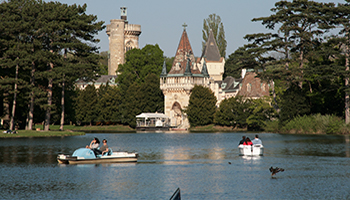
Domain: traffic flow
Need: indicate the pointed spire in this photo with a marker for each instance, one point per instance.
(204, 69)
(164, 73)
(188, 67)
(183, 51)
(211, 50)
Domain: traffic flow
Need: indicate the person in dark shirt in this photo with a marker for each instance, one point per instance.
(242, 141)
(104, 147)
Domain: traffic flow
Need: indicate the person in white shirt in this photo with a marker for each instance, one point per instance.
(256, 140)
(95, 143)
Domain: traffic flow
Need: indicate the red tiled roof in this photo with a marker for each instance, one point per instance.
(183, 50)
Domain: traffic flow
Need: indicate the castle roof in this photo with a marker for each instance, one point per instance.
(211, 51)
(184, 52)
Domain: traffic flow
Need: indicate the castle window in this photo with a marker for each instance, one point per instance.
(249, 87)
(128, 46)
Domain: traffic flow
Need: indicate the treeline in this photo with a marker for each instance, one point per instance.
(236, 112)
(305, 52)
(44, 48)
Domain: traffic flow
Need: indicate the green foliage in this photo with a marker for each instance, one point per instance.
(53, 45)
(152, 98)
(234, 112)
(86, 105)
(261, 112)
(321, 124)
(201, 107)
(141, 62)
(214, 23)
(109, 99)
(294, 103)
(139, 83)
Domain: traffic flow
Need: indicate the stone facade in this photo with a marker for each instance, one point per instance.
(122, 37)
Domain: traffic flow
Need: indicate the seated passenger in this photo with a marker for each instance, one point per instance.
(104, 148)
(256, 140)
(242, 141)
(94, 144)
(248, 142)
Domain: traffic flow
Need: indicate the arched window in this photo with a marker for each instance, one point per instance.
(249, 87)
(128, 46)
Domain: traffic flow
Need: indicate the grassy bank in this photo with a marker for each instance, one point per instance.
(214, 128)
(69, 130)
(28, 133)
(112, 128)
(312, 124)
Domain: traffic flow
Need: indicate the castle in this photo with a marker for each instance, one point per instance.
(208, 70)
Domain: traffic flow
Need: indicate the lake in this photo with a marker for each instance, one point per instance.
(202, 165)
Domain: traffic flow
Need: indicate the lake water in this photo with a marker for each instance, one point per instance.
(316, 167)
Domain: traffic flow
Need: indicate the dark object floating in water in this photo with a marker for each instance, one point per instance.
(275, 170)
(176, 195)
(229, 163)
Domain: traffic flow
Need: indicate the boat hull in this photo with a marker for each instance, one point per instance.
(248, 150)
(116, 157)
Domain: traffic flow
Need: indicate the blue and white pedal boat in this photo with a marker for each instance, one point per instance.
(87, 156)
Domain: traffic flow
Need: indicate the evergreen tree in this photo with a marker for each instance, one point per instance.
(108, 104)
(86, 105)
(201, 107)
(152, 98)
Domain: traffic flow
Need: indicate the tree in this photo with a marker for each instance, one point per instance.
(152, 98)
(109, 99)
(201, 107)
(214, 23)
(86, 105)
(139, 83)
(234, 112)
(141, 62)
(301, 22)
(261, 112)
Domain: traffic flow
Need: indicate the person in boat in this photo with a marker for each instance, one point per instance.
(248, 142)
(94, 144)
(242, 141)
(104, 148)
(257, 140)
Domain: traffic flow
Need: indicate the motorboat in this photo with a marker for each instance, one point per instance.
(251, 150)
(87, 156)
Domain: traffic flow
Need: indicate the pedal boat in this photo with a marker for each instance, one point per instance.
(251, 150)
(87, 156)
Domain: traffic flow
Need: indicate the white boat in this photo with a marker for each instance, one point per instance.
(251, 150)
(87, 156)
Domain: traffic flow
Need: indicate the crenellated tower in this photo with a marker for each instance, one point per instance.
(122, 38)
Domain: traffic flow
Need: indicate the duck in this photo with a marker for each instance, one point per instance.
(275, 170)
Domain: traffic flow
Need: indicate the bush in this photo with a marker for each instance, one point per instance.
(319, 124)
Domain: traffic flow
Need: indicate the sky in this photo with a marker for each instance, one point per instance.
(161, 20)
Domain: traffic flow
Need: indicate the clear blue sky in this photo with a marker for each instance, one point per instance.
(161, 20)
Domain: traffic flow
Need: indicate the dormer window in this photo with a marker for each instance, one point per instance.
(223, 85)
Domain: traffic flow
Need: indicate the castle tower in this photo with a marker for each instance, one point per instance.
(122, 38)
(178, 83)
(215, 64)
